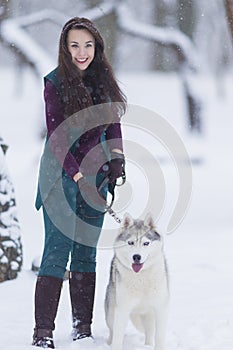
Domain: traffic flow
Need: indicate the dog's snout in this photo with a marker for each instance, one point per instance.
(137, 258)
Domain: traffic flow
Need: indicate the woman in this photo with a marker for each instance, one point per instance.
(84, 146)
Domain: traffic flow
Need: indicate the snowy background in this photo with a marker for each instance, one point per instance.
(199, 252)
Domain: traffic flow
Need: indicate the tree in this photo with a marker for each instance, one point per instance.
(4, 9)
(107, 23)
(11, 256)
(179, 44)
(229, 13)
(5, 13)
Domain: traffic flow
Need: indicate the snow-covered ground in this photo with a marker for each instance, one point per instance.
(199, 252)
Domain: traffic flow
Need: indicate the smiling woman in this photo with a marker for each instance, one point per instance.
(81, 45)
(83, 79)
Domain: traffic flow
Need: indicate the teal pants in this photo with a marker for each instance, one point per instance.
(78, 247)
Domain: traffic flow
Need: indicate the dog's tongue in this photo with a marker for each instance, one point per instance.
(137, 267)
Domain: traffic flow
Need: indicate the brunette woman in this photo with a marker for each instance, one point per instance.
(84, 146)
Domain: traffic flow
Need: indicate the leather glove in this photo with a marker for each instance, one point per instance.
(90, 194)
(116, 165)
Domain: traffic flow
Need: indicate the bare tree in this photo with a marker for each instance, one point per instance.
(185, 51)
(107, 23)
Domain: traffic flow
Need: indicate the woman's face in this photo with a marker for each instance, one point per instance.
(81, 45)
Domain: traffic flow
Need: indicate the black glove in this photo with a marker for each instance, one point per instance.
(90, 194)
(116, 166)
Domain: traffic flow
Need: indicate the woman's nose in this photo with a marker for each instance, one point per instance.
(82, 51)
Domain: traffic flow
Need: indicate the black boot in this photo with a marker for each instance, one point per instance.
(47, 295)
(82, 293)
(43, 338)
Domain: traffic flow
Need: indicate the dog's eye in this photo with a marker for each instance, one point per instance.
(146, 243)
(130, 242)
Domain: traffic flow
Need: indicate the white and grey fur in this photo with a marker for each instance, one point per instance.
(139, 293)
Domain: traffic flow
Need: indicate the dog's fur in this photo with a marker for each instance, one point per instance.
(138, 284)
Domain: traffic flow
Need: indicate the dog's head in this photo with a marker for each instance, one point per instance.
(138, 243)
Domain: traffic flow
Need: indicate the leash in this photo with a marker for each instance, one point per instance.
(111, 188)
(113, 214)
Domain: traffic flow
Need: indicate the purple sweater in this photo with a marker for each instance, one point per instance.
(72, 162)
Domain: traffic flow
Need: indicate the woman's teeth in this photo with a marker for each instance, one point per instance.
(82, 60)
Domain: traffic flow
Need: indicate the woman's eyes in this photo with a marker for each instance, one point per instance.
(75, 46)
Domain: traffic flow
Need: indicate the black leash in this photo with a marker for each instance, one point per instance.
(113, 214)
(111, 188)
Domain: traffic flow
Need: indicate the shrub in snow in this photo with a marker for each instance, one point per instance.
(10, 243)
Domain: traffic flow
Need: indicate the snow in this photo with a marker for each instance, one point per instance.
(9, 227)
(4, 260)
(8, 244)
(199, 252)
(14, 266)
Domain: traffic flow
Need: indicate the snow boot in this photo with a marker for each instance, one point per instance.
(47, 295)
(82, 293)
(43, 338)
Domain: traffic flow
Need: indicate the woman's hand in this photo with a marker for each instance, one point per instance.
(116, 165)
(77, 176)
(90, 194)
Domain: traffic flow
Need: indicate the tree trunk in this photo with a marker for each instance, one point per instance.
(4, 9)
(187, 17)
(107, 26)
(229, 13)
(165, 16)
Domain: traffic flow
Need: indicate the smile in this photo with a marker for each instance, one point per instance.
(82, 60)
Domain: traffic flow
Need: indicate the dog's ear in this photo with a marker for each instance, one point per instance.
(149, 221)
(127, 220)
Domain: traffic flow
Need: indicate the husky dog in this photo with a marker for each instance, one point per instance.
(138, 284)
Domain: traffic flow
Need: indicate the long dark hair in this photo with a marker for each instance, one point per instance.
(97, 85)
